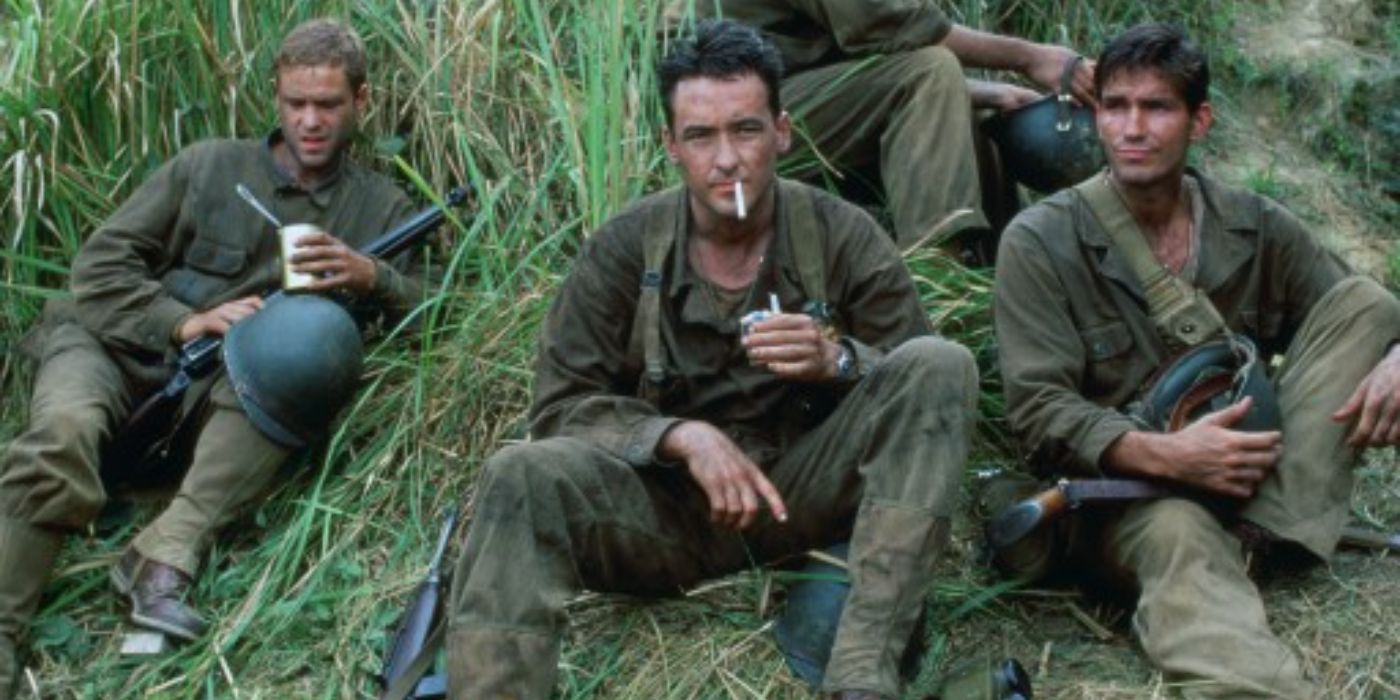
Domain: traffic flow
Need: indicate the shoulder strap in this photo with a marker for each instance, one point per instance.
(644, 342)
(1182, 313)
(805, 232)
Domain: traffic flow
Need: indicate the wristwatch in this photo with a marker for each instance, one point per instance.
(845, 364)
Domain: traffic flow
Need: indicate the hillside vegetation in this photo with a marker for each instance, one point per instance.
(548, 108)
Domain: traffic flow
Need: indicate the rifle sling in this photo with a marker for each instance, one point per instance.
(1184, 315)
(401, 687)
(1079, 491)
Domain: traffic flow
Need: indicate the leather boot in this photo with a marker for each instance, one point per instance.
(157, 594)
(27, 555)
(893, 552)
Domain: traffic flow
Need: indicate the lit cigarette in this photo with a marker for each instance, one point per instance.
(739, 200)
(773, 304)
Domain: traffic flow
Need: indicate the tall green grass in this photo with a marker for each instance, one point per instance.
(548, 108)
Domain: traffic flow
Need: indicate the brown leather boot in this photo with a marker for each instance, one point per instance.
(157, 592)
(27, 554)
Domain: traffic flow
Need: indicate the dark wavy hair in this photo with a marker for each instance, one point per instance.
(720, 49)
(1159, 47)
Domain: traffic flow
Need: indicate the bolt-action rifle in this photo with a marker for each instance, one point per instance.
(146, 436)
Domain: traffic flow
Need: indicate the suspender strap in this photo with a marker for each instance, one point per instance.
(1183, 314)
(805, 233)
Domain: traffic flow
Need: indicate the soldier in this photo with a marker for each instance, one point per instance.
(1077, 343)
(880, 83)
(675, 441)
(183, 258)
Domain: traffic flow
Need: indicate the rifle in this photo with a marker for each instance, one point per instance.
(1020, 519)
(148, 434)
(414, 643)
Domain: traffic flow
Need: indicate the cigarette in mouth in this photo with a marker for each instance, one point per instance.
(773, 304)
(739, 200)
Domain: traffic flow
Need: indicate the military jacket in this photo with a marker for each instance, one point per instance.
(185, 242)
(812, 33)
(1074, 335)
(587, 382)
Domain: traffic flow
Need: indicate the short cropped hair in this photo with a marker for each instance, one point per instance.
(720, 49)
(1159, 47)
(324, 42)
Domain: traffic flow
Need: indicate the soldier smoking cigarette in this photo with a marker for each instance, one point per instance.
(739, 199)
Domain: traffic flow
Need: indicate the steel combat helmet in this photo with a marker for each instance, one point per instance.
(294, 365)
(1051, 143)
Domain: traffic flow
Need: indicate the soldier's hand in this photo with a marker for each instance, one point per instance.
(218, 320)
(793, 347)
(1375, 405)
(1049, 66)
(1003, 97)
(334, 264)
(1212, 456)
(731, 481)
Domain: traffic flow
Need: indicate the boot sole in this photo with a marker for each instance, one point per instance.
(163, 627)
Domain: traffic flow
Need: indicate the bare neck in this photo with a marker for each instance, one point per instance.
(1163, 214)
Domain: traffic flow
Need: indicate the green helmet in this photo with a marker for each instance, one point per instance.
(1048, 144)
(294, 365)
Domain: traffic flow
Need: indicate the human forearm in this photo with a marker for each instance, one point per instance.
(976, 49)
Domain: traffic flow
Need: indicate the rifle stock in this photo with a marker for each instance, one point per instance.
(1014, 523)
(415, 627)
(146, 433)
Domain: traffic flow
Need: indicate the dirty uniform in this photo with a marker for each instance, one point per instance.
(587, 504)
(182, 243)
(1077, 343)
(869, 85)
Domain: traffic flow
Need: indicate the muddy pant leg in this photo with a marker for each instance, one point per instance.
(1199, 617)
(553, 517)
(1308, 498)
(233, 465)
(49, 479)
(890, 458)
(912, 109)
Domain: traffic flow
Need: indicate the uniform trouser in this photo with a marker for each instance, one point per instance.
(49, 473)
(911, 111)
(558, 515)
(1199, 616)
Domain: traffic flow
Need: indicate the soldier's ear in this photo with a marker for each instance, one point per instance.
(783, 125)
(1201, 121)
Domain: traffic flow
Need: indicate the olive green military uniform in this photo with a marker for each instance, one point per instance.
(587, 504)
(183, 242)
(869, 85)
(1077, 343)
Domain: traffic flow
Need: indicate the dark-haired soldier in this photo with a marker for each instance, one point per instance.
(675, 442)
(182, 258)
(880, 83)
(1078, 342)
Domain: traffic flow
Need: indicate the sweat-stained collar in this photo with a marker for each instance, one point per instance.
(1228, 235)
(320, 195)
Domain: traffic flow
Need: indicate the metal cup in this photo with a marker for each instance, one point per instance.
(289, 235)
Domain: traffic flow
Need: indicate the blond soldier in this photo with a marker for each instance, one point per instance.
(182, 258)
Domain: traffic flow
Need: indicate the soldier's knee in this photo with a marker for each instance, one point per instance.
(935, 65)
(526, 470)
(1361, 295)
(933, 360)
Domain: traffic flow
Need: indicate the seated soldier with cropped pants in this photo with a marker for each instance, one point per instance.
(1079, 341)
(678, 438)
(184, 257)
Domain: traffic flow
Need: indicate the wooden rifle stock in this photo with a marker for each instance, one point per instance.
(1014, 523)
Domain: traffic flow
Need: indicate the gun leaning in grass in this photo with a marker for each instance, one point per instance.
(1020, 519)
(414, 644)
(146, 435)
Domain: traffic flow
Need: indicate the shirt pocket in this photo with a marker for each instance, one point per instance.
(209, 270)
(1106, 348)
(214, 258)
